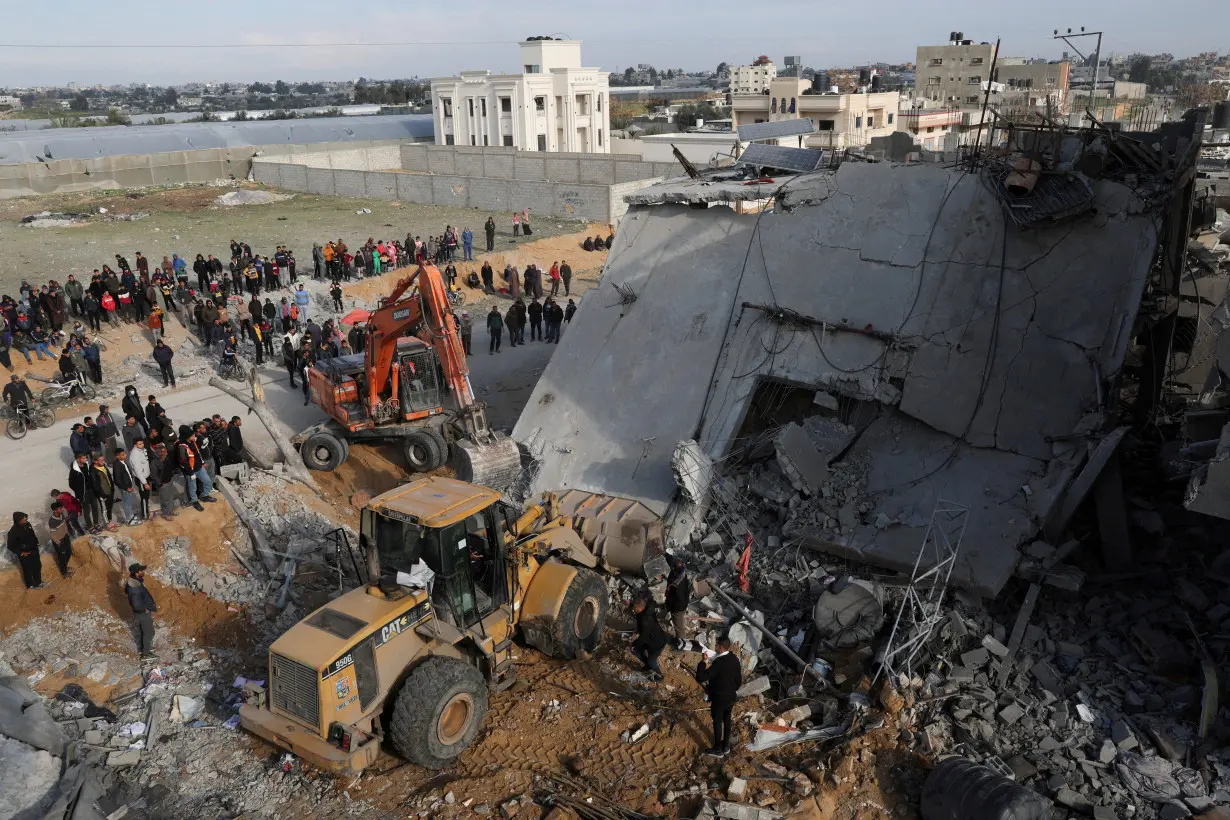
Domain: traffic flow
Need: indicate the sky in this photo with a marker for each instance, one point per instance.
(442, 38)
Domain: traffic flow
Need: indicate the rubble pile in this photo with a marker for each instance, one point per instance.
(192, 367)
(183, 570)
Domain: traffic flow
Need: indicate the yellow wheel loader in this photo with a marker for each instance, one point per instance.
(453, 573)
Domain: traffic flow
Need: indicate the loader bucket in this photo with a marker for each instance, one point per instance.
(496, 465)
(622, 533)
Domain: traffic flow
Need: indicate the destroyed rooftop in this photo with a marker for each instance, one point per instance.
(962, 336)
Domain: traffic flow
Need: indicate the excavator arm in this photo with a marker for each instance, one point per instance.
(426, 312)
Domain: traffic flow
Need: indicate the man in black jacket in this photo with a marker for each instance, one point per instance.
(722, 676)
(163, 355)
(81, 485)
(17, 392)
(23, 543)
(678, 596)
(143, 607)
(650, 639)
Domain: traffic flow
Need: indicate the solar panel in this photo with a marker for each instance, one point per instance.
(800, 160)
(771, 130)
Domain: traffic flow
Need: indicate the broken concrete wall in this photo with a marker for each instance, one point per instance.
(989, 349)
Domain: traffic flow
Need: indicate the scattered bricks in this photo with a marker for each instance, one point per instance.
(85, 724)
(1021, 768)
(94, 737)
(1070, 649)
(798, 713)
(1122, 735)
(1048, 744)
(736, 789)
(130, 757)
(975, 658)
(994, 646)
(1108, 752)
(960, 674)
(509, 808)
(891, 700)
(1190, 594)
(1073, 800)
(1105, 813)
(1011, 713)
(996, 764)
(1047, 678)
(754, 687)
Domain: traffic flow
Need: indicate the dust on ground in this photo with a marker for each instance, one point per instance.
(188, 220)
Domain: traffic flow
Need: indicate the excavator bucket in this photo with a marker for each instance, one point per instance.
(496, 464)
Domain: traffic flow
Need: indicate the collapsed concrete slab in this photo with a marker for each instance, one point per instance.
(980, 346)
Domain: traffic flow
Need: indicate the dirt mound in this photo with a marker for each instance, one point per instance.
(248, 197)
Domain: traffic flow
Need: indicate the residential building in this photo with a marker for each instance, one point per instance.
(10, 103)
(934, 129)
(952, 75)
(554, 104)
(1032, 83)
(754, 78)
(842, 120)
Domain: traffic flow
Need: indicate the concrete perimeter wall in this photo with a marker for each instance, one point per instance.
(569, 186)
(509, 163)
(177, 167)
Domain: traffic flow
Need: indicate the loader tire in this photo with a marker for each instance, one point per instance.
(423, 451)
(582, 616)
(323, 451)
(438, 712)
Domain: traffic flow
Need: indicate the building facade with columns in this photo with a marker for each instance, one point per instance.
(553, 104)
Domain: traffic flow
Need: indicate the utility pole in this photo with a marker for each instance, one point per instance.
(1097, 55)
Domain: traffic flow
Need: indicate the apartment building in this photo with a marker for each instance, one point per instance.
(952, 75)
(554, 104)
(842, 120)
(754, 78)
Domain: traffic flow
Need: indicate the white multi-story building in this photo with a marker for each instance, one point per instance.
(555, 104)
(754, 78)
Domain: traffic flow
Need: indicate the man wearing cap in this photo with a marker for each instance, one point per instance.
(143, 607)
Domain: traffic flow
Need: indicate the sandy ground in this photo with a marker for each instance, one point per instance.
(187, 221)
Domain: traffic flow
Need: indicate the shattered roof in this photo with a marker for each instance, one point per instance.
(907, 286)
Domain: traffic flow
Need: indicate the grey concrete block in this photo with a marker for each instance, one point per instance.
(754, 687)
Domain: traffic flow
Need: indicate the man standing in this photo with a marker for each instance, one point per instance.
(138, 462)
(108, 431)
(490, 229)
(467, 245)
(722, 676)
(678, 596)
(75, 294)
(570, 311)
(234, 441)
(555, 277)
(534, 312)
(143, 607)
(303, 300)
(555, 320)
(466, 328)
(163, 355)
(288, 359)
(336, 293)
(61, 538)
(488, 278)
(495, 327)
(510, 321)
(192, 465)
(23, 543)
(304, 360)
(93, 358)
(126, 483)
(104, 490)
(565, 275)
(152, 411)
(72, 511)
(81, 484)
(650, 639)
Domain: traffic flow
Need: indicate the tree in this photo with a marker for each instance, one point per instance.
(117, 117)
(690, 113)
(169, 97)
(622, 113)
(653, 75)
(670, 73)
(311, 88)
(280, 87)
(241, 116)
(80, 103)
(260, 88)
(629, 73)
(1138, 69)
(722, 68)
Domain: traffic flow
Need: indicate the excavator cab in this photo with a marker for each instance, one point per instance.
(421, 388)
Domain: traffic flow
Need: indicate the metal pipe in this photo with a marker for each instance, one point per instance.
(776, 641)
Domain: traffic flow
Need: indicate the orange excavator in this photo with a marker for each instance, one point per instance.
(411, 384)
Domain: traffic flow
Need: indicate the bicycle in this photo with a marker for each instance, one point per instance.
(22, 418)
(456, 295)
(68, 391)
(233, 370)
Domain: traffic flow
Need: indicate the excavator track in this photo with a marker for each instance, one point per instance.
(496, 465)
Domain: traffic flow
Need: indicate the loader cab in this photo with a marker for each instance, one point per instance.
(461, 543)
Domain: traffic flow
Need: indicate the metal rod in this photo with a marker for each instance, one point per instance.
(776, 641)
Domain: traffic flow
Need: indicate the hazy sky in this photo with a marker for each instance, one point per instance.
(469, 34)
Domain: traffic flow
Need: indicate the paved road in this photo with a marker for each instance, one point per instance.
(40, 461)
